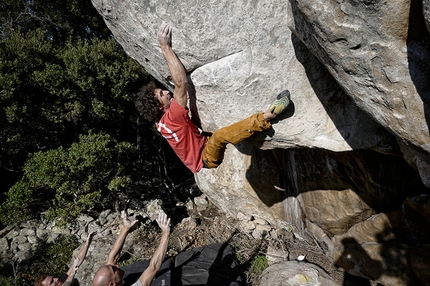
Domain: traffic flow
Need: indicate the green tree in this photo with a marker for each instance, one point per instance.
(37, 40)
(67, 182)
(50, 95)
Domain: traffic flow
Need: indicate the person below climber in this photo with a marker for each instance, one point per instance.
(110, 274)
(194, 149)
(67, 279)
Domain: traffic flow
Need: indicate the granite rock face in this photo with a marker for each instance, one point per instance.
(354, 143)
(293, 273)
(382, 65)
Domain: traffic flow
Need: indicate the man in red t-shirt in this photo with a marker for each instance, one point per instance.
(174, 123)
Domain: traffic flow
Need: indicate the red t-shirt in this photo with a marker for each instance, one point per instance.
(177, 127)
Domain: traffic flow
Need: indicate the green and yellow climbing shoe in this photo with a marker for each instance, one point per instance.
(281, 102)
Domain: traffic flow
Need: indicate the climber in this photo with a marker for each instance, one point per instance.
(170, 113)
(110, 274)
(67, 279)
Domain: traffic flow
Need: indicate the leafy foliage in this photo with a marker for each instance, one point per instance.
(50, 95)
(7, 281)
(62, 74)
(258, 264)
(70, 181)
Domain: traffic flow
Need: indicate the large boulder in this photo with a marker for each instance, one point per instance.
(354, 142)
(293, 273)
(380, 247)
(382, 65)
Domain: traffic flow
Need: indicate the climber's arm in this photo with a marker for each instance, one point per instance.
(79, 259)
(115, 252)
(176, 68)
(156, 261)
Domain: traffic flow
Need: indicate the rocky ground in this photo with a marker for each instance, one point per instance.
(196, 222)
(209, 225)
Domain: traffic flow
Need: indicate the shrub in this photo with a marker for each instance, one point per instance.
(67, 182)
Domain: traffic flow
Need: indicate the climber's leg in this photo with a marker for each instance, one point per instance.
(213, 153)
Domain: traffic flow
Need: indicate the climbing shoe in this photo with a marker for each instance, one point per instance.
(281, 102)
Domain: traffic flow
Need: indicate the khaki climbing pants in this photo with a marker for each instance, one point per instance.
(213, 154)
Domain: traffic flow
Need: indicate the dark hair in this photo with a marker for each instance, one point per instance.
(40, 280)
(146, 103)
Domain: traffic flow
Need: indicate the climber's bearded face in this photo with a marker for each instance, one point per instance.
(51, 281)
(164, 97)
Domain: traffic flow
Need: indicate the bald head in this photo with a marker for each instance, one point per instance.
(102, 276)
(108, 275)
